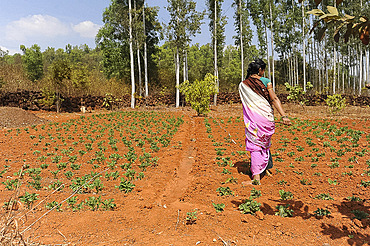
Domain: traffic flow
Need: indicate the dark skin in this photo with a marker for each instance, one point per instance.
(276, 102)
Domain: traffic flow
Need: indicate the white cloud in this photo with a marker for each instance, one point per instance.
(86, 29)
(35, 26)
(10, 51)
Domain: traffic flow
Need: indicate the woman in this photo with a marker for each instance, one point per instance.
(257, 97)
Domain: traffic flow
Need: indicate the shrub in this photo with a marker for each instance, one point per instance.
(335, 102)
(296, 93)
(198, 93)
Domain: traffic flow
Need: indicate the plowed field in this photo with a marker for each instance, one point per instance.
(168, 177)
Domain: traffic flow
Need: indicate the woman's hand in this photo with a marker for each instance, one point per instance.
(286, 120)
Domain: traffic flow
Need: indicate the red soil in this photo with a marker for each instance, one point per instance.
(186, 180)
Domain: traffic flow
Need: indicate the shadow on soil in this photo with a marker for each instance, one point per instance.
(351, 231)
(243, 167)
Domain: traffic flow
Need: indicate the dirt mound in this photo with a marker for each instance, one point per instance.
(16, 117)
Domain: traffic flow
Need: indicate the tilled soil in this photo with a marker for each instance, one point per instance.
(174, 203)
(12, 117)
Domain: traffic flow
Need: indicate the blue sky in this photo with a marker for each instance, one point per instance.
(55, 23)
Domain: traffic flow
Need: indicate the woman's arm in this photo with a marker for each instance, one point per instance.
(276, 102)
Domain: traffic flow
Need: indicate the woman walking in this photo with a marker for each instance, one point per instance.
(258, 96)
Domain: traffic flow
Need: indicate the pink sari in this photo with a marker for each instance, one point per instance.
(259, 127)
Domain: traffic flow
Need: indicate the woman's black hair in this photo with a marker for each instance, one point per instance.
(255, 66)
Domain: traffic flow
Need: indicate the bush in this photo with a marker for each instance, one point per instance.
(296, 93)
(335, 102)
(199, 93)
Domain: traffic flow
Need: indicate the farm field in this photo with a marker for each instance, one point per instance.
(168, 177)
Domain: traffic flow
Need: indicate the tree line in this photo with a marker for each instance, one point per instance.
(128, 57)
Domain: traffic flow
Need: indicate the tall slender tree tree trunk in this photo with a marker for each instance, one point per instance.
(177, 69)
(145, 55)
(241, 38)
(138, 56)
(177, 78)
(139, 71)
(343, 71)
(267, 50)
(131, 58)
(303, 48)
(272, 47)
(368, 66)
(215, 54)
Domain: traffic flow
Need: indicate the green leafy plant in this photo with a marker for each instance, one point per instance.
(219, 207)
(354, 199)
(108, 204)
(332, 182)
(51, 205)
(365, 183)
(322, 212)
(285, 195)
(93, 202)
(125, 186)
(191, 217)
(199, 92)
(249, 206)
(284, 211)
(28, 198)
(224, 191)
(10, 184)
(324, 196)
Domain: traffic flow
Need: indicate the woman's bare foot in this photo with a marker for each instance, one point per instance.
(251, 182)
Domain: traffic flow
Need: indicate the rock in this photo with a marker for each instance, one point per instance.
(259, 215)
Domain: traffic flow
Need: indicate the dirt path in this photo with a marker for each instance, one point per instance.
(182, 176)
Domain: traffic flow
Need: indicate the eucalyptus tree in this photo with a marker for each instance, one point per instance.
(258, 10)
(217, 24)
(113, 39)
(131, 56)
(244, 36)
(185, 22)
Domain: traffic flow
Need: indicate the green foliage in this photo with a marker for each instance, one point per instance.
(33, 63)
(54, 204)
(199, 93)
(322, 212)
(324, 196)
(93, 202)
(28, 198)
(219, 207)
(285, 195)
(191, 217)
(125, 186)
(249, 206)
(360, 214)
(255, 194)
(10, 184)
(108, 204)
(335, 102)
(283, 211)
(297, 94)
(224, 191)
